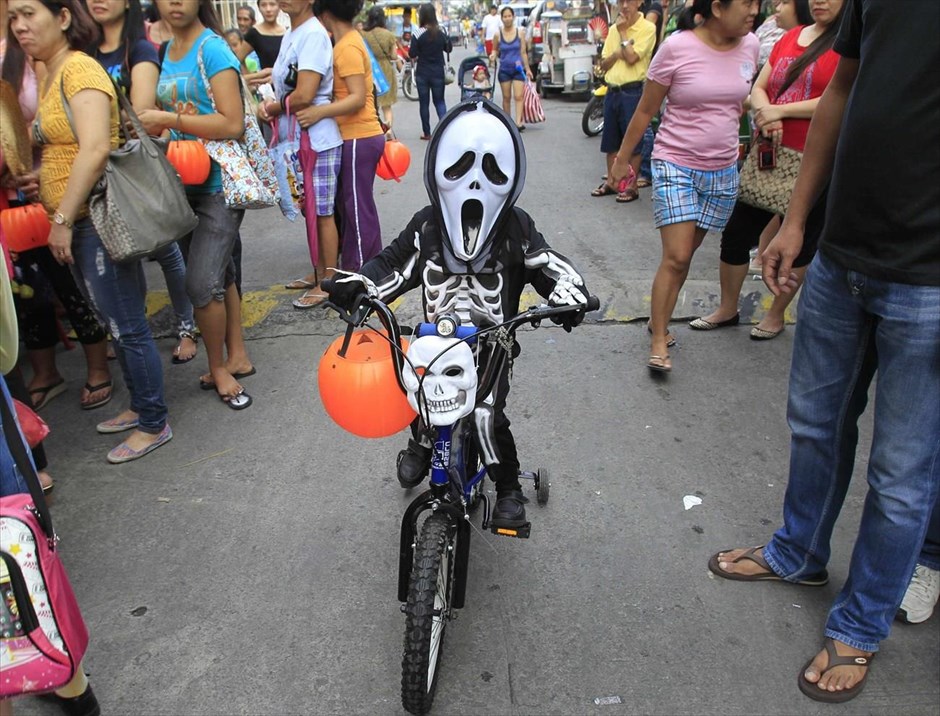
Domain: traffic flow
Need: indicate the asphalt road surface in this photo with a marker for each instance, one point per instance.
(249, 567)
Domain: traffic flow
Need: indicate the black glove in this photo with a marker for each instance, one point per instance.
(344, 292)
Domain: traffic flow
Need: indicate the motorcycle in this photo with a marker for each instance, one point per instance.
(592, 119)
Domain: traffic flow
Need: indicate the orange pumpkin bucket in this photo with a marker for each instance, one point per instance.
(394, 162)
(190, 160)
(25, 227)
(359, 390)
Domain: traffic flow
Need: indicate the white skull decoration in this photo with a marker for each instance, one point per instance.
(450, 383)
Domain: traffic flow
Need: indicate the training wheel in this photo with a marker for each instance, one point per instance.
(541, 486)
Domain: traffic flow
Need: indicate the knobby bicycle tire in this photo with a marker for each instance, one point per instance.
(432, 576)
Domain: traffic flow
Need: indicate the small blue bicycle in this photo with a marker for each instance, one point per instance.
(445, 380)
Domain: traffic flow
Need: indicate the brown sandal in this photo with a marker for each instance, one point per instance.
(627, 195)
(768, 575)
(834, 697)
(659, 364)
(603, 190)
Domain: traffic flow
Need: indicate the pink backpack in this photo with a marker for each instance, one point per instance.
(42, 633)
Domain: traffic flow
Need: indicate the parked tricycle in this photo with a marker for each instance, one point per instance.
(568, 61)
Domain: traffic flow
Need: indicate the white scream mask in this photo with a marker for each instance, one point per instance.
(475, 173)
(450, 384)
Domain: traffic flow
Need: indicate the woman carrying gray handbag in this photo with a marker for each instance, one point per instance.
(73, 161)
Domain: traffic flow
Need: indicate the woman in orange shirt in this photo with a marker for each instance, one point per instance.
(353, 106)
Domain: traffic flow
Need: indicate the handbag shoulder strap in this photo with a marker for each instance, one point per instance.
(25, 465)
(124, 104)
(242, 86)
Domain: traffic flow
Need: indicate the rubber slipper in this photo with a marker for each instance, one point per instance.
(670, 339)
(317, 298)
(700, 324)
(659, 364)
(240, 401)
(210, 385)
(47, 393)
(643, 183)
(627, 196)
(768, 575)
(603, 190)
(759, 334)
(300, 284)
(125, 453)
(94, 389)
(116, 425)
(834, 697)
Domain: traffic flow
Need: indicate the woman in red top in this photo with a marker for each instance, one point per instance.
(783, 100)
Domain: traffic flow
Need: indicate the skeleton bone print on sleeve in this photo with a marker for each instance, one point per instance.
(560, 270)
(391, 286)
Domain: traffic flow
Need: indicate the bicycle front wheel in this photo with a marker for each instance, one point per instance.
(427, 612)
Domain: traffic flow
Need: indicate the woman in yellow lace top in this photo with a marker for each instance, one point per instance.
(74, 155)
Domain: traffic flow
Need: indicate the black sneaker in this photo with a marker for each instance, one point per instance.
(510, 509)
(413, 464)
(83, 705)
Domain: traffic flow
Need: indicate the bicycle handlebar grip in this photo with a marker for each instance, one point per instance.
(593, 303)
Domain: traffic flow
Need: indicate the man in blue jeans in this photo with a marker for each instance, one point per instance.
(871, 303)
(625, 59)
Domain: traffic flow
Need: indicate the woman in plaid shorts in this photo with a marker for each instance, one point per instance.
(303, 77)
(705, 73)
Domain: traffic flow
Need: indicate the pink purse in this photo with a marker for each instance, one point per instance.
(42, 634)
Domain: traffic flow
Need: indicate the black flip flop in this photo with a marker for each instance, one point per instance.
(94, 389)
(834, 697)
(237, 402)
(714, 566)
(237, 376)
(47, 393)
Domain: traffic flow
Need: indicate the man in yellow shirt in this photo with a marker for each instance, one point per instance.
(624, 60)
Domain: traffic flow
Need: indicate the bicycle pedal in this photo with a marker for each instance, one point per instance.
(522, 532)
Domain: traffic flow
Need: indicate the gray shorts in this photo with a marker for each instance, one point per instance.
(208, 249)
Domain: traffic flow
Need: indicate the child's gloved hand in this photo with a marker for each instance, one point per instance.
(345, 289)
(568, 291)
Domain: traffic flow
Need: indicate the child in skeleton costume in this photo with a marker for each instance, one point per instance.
(472, 252)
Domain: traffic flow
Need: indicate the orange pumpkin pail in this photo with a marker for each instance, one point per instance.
(394, 162)
(190, 160)
(25, 227)
(359, 390)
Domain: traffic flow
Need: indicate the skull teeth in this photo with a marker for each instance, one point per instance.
(442, 406)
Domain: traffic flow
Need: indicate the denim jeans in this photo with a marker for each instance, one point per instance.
(646, 165)
(930, 553)
(430, 88)
(11, 479)
(171, 261)
(850, 326)
(117, 292)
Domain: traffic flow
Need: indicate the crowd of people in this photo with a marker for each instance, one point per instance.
(869, 254)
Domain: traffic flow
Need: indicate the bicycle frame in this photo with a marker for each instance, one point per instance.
(451, 490)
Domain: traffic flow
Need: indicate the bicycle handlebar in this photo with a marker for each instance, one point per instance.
(366, 304)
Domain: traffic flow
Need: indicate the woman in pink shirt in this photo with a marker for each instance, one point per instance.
(705, 73)
(784, 99)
